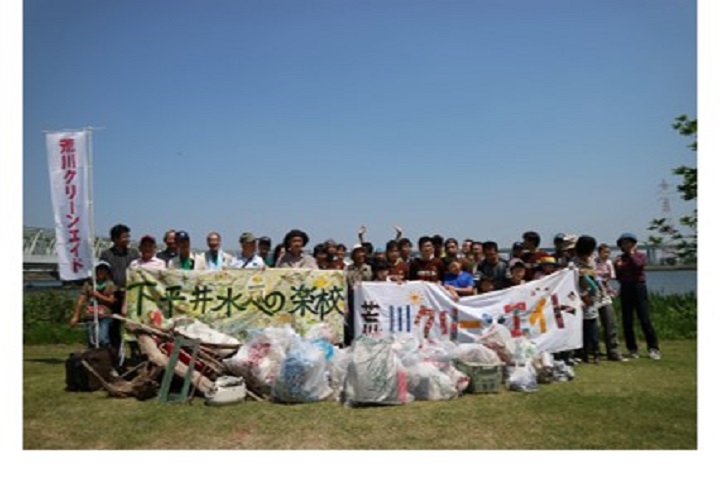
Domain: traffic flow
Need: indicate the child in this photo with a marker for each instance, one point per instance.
(546, 266)
(381, 270)
(101, 299)
(517, 273)
(590, 295)
(605, 271)
(485, 284)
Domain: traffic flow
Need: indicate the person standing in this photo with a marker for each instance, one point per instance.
(119, 256)
(148, 259)
(457, 282)
(170, 251)
(532, 254)
(100, 299)
(214, 258)
(589, 290)
(185, 258)
(605, 272)
(264, 246)
(248, 258)
(630, 272)
(398, 270)
(334, 262)
(492, 266)
(294, 257)
(427, 267)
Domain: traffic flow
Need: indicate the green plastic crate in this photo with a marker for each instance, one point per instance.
(483, 378)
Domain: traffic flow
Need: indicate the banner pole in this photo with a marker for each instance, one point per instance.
(91, 211)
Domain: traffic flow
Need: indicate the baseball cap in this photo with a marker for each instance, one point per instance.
(181, 235)
(247, 237)
(626, 236)
(264, 240)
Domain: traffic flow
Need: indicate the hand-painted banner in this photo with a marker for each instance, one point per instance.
(68, 167)
(235, 301)
(546, 311)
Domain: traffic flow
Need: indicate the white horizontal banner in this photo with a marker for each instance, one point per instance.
(547, 311)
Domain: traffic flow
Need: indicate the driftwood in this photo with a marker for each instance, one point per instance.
(150, 348)
(142, 386)
(211, 354)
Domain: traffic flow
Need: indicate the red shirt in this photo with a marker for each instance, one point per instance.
(530, 259)
(431, 270)
(399, 271)
(631, 268)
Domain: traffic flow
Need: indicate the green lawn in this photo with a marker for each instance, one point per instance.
(637, 405)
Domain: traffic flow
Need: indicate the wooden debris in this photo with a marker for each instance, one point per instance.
(142, 386)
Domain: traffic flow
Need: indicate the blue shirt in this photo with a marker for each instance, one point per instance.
(463, 280)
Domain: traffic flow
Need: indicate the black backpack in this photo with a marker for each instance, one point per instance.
(79, 379)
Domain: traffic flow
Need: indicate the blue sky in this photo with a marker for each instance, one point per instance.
(477, 119)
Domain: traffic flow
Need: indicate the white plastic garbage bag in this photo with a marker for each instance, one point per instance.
(522, 378)
(497, 338)
(303, 375)
(477, 353)
(338, 367)
(427, 382)
(259, 360)
(226, 390)
(375, 375)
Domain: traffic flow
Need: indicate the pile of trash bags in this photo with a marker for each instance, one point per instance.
(384, 369)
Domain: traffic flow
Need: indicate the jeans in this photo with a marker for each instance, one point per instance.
(610, 333)
(103, 332)
(591, 343)
(634, 299)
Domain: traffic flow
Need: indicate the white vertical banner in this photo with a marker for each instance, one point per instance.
(69, 180)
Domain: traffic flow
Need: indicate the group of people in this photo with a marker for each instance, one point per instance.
(468, 269)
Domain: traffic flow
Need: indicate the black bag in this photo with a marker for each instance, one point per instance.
(79, 379)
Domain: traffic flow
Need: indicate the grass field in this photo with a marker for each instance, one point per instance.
(639, 405)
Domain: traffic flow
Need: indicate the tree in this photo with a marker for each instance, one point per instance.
(683, 244)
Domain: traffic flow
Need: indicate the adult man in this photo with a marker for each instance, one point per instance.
(214, 258)
(492, 266)
(264, 246)
(437, 242)
(475, 257)
(294, 256)
(248, 258)
(185, 259)
(466, 249)
(531, 241)
(119, 256)
(630, 272)
(333, 262)
(405, 246)
(170, 251)
(451, 251)
(564, 248)
(427, 267)
(147, 255)
(457, 282)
